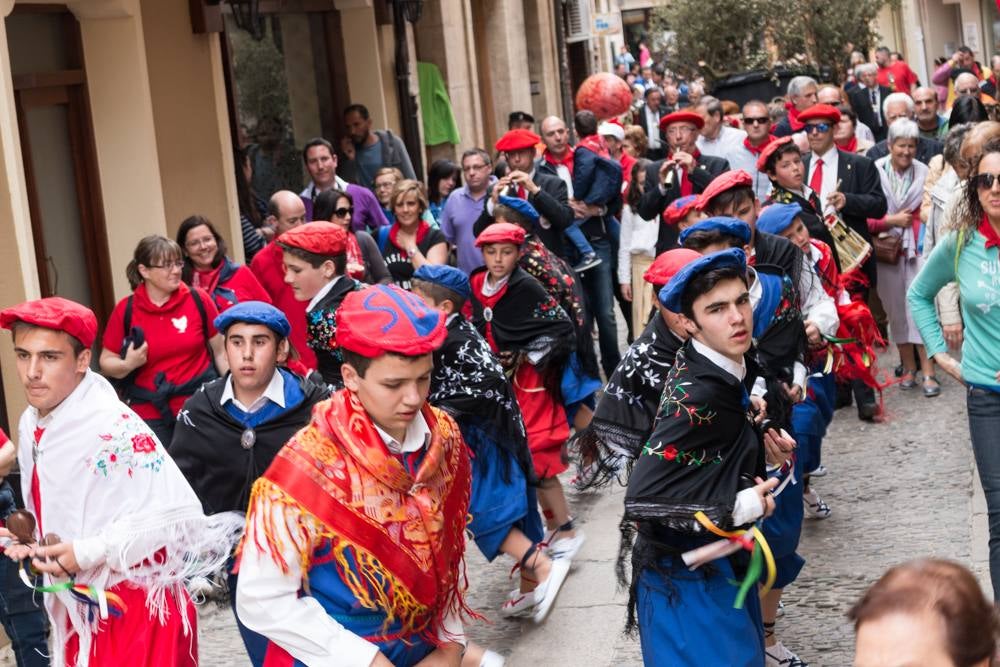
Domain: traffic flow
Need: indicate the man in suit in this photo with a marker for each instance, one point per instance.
(802, 92)
(894, 107)
(648, 118)
(548, 194)
(848, 185)
(684, 172)
(866, 99)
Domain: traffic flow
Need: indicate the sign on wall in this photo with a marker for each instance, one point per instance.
(606, 25)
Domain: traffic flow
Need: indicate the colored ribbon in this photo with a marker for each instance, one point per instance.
(760, 556)
(105, 601)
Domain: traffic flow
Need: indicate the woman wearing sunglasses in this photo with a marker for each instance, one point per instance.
(364, 261)
(970, 255)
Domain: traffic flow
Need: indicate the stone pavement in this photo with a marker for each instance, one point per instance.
(898, 490)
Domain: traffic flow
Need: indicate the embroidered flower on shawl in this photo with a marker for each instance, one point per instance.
(128, 447)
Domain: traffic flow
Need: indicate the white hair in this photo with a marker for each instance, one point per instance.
(865, 68)
(898, 97)
(902, 128)
(796, 85)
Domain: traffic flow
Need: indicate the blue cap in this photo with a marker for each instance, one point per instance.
(521, 206)
(777, 217)
(670, 295)
(254, 312)
(445, 276)
(722, 224)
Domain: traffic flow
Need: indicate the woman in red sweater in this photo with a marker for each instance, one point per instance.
(207, 266)
(160, 343)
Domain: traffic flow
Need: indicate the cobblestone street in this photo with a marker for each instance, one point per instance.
(897, 490)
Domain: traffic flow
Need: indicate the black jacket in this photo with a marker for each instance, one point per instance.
(926, 149)
(653, 201)
(862, 104)
(640, 120)
(207, 444)
(862, 187)
(594, 227)
(551, 202)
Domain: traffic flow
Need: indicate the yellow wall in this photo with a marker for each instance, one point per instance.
(191, 121)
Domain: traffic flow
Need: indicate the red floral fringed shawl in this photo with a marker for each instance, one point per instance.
(404, 534)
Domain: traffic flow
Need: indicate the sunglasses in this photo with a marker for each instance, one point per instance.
(344, 212)
(985, 181)
(818, 127)
(756, 121)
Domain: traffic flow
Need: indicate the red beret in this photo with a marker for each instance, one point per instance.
(55, 313)
(820, 112)
(682, 117)
(516, 140)
(769, 151)
(735, 178)
(501, 232)
(387, 318)
(319, 237)
(678, 209)
(667, 264)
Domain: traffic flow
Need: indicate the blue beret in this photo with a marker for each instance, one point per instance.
(777, 217)
(445, 276)
(254, 312)
(521, 206)
(670, 295)
(722, 224)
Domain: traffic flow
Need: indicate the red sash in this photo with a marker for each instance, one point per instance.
(477, 281)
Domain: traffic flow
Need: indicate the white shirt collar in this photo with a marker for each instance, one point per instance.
(829, 157)
(274, 392)
(491, 289)
(418, 434)
(320, 294)
(737, 370)
(447, 321)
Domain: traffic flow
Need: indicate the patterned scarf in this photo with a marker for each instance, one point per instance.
(397, 539)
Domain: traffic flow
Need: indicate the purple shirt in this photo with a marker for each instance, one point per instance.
(457, 219)
(367, 211)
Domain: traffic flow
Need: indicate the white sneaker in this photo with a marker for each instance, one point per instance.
(567, 547)
(545, 594)
(518, 604)
(491, 659)
(779, 656)
(819, 472)
(815, 508)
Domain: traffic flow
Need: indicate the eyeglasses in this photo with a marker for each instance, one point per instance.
(344, 212)
(756, 121)
(385, 186)
(985, 181)
(817, 127)
(198, 243)
(967, 91)
(474, 167)
(168, 265)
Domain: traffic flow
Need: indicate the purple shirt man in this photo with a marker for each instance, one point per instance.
(321, 161)
(465, 205)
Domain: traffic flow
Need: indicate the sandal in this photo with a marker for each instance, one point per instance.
(931, 390)
(907, 382)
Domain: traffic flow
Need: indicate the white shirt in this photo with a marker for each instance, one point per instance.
(742, 158)
(748, 506)
(831, 162)
(728, 141)
(268, 599)
(312, 190)
(653, 123)
(275, 392)
(321, 293)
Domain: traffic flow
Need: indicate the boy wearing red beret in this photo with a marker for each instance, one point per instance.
(124, 532)
(355, 534)
(315, 257)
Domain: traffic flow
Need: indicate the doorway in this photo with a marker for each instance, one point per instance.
(59, 156)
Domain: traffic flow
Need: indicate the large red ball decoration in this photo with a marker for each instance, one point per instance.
(606, 94)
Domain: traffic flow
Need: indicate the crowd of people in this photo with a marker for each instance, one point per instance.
(403, 365)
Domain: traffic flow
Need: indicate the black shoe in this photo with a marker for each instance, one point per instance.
(843, 399)
(867, 412)
(588, 261)
(899, 371)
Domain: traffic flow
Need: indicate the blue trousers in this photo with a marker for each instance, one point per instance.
(23, 617)
(600, 305)
(984, 424)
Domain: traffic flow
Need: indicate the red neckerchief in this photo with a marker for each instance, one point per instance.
(36, 489)
(757, 150)
(411, 544)
(567, 160)
(686, 187)
(850, 146)
(207, 280)
(354, 257)
(478, 280)
(986, 229)
(422, 229)
(793, 117)
(596, 143)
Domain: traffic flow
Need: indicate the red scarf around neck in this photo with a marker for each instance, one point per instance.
(477, 281)
(757, 150)
(793, 117)
(567, 160)
(849, 146)
(422, 228)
